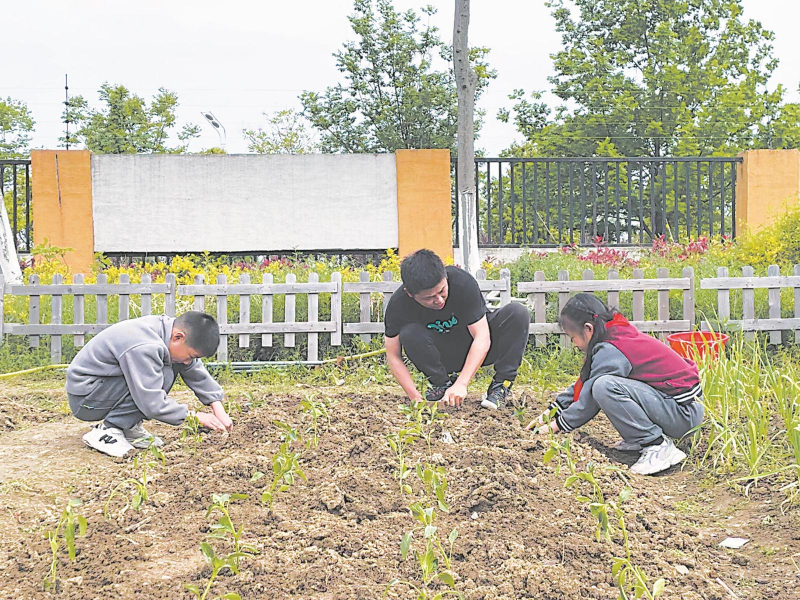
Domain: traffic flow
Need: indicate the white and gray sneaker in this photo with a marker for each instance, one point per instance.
(108, 440)
(655, 459)
(140, 438)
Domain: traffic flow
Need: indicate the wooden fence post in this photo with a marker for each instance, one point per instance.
(244, 311)
(102, 301)
(336, 309)
(796, 305)
(2, 307)
(663, 301)
(313, 317)
(199, 302)
(563, 298)
(169, 297)
(78, 311)
(33, 312)
(266, 310)
(147, 297)
(748, 303)
(688, 298)
(55, 319)
(505, 293)
(124, 300)
(387, 276)
(290, 310)
(363, 302)
(222, 318)
(638, 298)
(774, 295)
(540, 308)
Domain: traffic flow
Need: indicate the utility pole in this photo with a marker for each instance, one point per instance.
(466, 84)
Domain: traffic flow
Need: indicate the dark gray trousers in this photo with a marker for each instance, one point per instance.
(111, 401)
(641, 413)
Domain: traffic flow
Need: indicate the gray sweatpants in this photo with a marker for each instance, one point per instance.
(111, 401)
(641, 413)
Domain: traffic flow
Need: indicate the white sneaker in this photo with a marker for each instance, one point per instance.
(624, 446)
(655, 459)
(140, 438)
(108, 440)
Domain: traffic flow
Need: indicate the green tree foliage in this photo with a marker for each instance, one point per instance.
(287, 133)
(394, 95)
(657, 78)
(127, 125)
(16, 125)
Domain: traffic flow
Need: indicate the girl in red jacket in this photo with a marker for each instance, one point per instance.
(648, 392)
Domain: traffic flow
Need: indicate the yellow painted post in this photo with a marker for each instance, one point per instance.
(62, 204)
(424, 217)
(767, 182)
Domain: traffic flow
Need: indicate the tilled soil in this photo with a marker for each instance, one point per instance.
(521, 534)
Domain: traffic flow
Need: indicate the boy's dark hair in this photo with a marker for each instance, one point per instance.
(421, 270)
(202, 331)
(586, 308)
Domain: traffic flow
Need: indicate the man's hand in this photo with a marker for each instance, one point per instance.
(219, 411)
(454, 395)
(209, 421)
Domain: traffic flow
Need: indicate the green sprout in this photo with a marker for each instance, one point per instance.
(69, 526)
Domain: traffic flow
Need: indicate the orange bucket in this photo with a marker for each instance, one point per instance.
(696, 344)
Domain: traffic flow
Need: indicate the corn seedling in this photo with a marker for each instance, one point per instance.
(596, 502)
(136, 487)
(433, 554)
(224, 528)
(69, 526)
(400, 443)
(561, 451)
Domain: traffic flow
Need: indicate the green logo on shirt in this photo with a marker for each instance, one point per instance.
(443, 326)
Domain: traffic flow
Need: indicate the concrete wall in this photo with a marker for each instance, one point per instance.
(243, 203)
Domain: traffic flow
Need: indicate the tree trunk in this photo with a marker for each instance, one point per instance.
(466, 83)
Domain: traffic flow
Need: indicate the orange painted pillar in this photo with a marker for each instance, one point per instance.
(767, 182)
(424, 218)
(62, 204)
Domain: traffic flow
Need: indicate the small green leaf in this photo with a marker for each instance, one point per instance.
(208, 552)
(405, 544)
(625, 494)
(232, 596)
(453, 536)
(256, 476)
(447, 579)
(658, 587)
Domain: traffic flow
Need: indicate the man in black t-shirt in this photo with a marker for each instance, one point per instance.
(440, 319)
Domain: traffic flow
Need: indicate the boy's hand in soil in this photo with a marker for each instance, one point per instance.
(209, 421)
(454, 395)
(219, 411)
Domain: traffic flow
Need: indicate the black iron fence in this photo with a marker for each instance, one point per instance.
(621, 201)
(15, 189)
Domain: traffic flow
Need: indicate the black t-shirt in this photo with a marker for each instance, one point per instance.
(464, 306)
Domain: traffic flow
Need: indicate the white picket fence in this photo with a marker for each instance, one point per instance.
(375, 294)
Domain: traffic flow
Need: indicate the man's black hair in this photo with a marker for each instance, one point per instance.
(586, 308)
(421, 270)
(202, 331)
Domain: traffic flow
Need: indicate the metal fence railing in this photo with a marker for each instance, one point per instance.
(621, 201)
(15, 190)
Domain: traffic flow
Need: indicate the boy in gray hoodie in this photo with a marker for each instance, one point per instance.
(123, 375)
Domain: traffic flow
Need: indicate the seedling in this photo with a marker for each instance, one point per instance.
(596, 502)
(218, 564)
(434, 554)
(314, 410)
(69, 526)
(434, 481)
(425, 416)
(136, 486)
(191, 432)
(224, 528)
(285, 469)
(400, 443)
(561, 451)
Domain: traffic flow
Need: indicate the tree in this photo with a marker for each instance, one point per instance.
(287, 134)
(657, 78)
(127, 125)
(16, 125)
(394, 96)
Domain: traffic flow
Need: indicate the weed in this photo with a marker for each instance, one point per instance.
(69, 526)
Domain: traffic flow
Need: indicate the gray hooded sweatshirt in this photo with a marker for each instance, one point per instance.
(138, 350)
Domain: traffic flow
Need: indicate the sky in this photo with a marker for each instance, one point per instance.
(239, 59)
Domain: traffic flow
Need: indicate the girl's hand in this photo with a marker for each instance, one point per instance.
(538, 421)
(551, 427)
